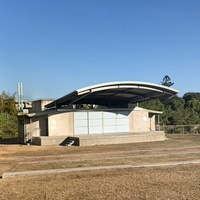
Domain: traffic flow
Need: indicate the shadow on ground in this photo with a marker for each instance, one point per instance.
(9, 141)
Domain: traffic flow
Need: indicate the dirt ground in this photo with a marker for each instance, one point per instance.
(166, 182)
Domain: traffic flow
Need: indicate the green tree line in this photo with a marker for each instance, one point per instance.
(177, 110)
(8, 116)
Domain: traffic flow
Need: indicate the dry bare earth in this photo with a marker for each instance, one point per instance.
(169, 182)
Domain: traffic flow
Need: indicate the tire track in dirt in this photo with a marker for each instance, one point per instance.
(109, 158)
(105, 153)
(53, 171)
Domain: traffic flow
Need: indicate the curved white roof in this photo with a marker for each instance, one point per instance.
(115, 94)
(123, 84)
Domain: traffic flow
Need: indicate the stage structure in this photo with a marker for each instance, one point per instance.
(100, 114)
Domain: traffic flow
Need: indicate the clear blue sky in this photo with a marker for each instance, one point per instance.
(56, 46)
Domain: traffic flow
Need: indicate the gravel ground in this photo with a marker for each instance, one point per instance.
(166, 182)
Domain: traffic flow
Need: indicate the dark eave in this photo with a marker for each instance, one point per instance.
(115, 94)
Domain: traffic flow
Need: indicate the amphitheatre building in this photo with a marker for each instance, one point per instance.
(107, 113)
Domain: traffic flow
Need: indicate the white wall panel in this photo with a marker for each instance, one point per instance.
(81, 130)
(78, 122)
(96, 129)
(95, 115)
(100, 122)
(122, 122)
(80, 115)
(122, 128)
(109, 122)
(110, 129)
(95, 122)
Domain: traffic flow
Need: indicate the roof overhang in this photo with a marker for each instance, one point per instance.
(115, 94)
(137, 108)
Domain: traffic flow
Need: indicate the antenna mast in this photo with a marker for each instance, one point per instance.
(20, 97)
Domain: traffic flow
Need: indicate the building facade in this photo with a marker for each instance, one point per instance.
(109, 110)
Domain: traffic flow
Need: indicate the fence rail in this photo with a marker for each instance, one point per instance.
(184, 129)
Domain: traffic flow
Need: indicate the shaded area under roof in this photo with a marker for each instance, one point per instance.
(114, 94)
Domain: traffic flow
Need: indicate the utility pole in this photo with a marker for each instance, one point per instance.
(20, 97)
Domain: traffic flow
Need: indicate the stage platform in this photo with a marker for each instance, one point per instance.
(100, 139)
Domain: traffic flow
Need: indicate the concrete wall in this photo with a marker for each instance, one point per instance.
(122, 139)
(34, 127)
(88, 140)
(61, 124)
(140, 121)
(39, 105)
(29, 127)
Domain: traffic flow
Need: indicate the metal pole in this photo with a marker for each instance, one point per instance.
(20, 97)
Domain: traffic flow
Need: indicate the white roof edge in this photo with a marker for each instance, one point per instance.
(26, 114)
(137, 108)
(107, 84)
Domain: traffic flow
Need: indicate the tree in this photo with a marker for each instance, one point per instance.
(191, 95)
(176, 103)
(167, 81)
(8, 115)
(177, 110)
(154, 104)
